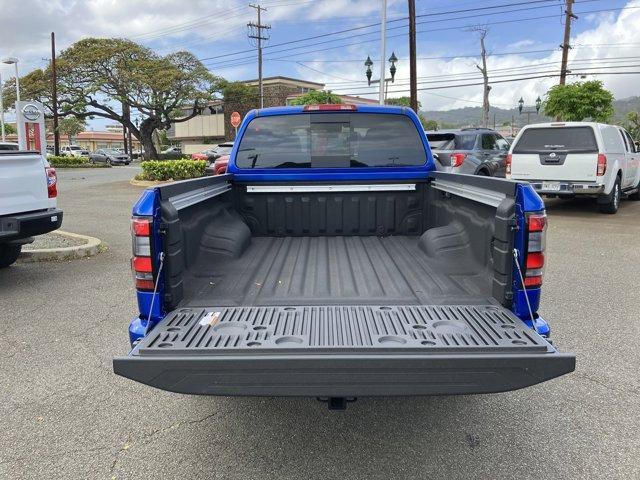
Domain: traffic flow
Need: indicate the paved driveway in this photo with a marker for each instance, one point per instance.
(66, 415)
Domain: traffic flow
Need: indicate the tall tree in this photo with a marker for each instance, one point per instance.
(578, 101)
(102, 74)
(316, 97)
(71, 126)
(482, 34)
(97, 75)
(401, 101)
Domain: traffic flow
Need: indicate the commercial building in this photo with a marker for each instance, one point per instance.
(213, 124)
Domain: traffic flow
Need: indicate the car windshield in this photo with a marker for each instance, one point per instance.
(331, 140)
(110, 151)
(571, 139)
(73, 147)
(5, 147)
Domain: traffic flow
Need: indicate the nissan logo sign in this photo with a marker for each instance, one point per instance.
(31, 112)
(552, 155)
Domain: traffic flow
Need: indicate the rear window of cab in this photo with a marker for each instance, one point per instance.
(565, 139)
(331, 140)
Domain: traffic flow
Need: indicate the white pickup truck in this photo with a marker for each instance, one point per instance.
(28, 191)
(577, 158)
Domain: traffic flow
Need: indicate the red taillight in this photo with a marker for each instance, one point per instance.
(602, 165)
(52, 182)
(534, 260)
(141, 226)
(141, 263)
(507, 164)
(457, 159)
(537, 222)
(328, 107)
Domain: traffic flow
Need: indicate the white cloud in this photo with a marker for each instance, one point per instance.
(612, 37)
(527, 42)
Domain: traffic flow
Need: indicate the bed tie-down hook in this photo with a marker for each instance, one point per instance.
(516, 256)
(155, 290)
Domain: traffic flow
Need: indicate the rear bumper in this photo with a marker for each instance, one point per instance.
(567, 188)
(15, 227)
(343, 352)
(344, 375)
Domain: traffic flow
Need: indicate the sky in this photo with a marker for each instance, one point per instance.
(522, 41)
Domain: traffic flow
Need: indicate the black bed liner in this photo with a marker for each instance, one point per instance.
(343, 351)
(338, 270)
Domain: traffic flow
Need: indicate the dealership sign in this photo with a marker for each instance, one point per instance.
(31, 112)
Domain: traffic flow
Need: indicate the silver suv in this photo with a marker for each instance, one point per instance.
(474, 151)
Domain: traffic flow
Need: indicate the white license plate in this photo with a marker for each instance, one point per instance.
(551, 186)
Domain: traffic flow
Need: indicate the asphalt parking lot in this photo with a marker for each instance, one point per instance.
(66, 415)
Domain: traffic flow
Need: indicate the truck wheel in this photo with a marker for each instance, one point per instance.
(613, 201)
(9, 254)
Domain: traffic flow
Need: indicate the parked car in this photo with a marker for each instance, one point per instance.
(109, 156)
(74, 151)
(9, 146)
(214, 153)
(569, 159)
(203, 155)
(172, 149)
(339, 267)
(222, 149)
(28, 194)
(218, 166)
(474, 151)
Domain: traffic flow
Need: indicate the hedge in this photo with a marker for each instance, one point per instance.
(73, 162)
(172, 156)
(172, 169)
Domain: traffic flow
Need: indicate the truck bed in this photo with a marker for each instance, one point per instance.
(338, 270)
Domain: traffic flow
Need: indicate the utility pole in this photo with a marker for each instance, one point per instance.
(413, 75)
(255, 33)
(54, 96)
(126, 116)
(383, 46)
(567, 37)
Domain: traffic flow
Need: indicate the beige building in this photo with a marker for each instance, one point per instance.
(213, 125)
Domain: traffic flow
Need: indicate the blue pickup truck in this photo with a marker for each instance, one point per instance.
(333, 261)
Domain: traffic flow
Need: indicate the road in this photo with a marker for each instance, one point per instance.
(66, 415)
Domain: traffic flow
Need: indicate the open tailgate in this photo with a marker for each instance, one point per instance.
(343, 351)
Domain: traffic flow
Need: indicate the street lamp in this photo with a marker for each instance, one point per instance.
(529, 112)
(14, 61)
(1, 111)
(392, 69)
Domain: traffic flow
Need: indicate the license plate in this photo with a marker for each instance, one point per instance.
(551, 186)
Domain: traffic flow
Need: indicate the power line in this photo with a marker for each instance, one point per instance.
(375, 24)
(241, 61)
(520, 79)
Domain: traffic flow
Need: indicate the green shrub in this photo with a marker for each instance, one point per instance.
(64, 161)
(172, 169)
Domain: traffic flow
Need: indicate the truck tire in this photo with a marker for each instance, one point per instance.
(9, 254)
(613, 201)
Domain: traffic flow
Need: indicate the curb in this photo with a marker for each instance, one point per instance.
(148, 183)
(89, 249)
